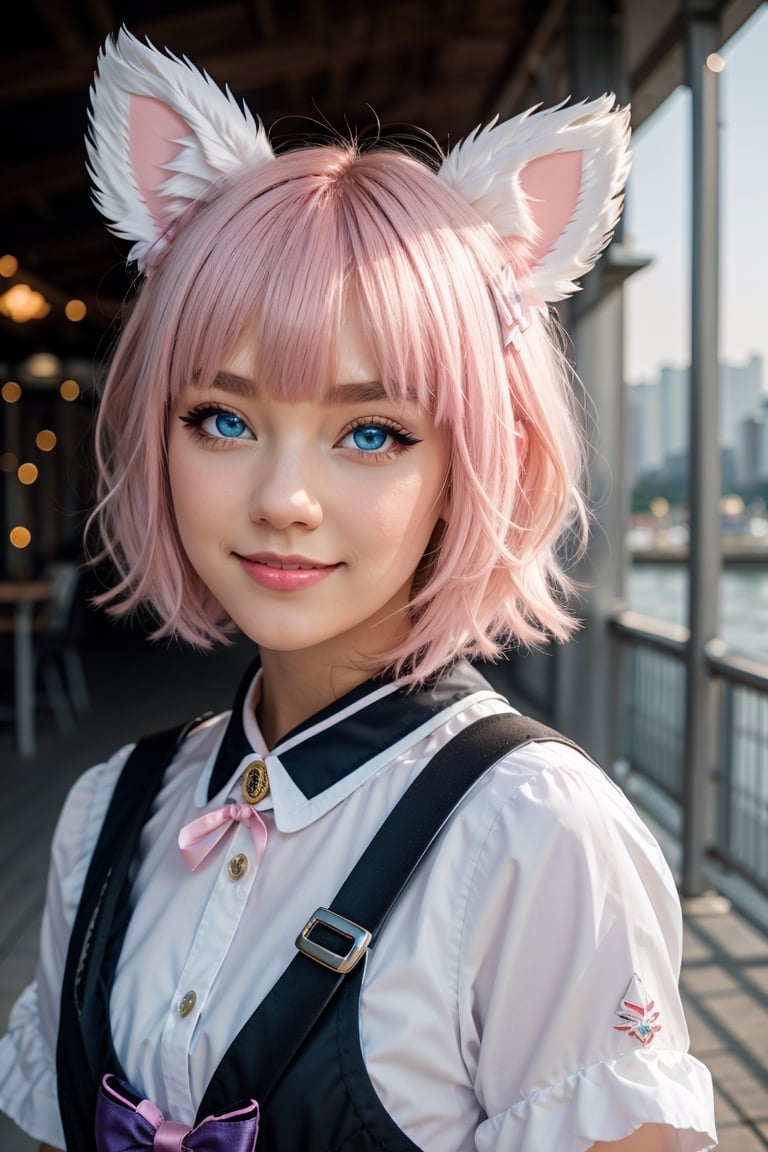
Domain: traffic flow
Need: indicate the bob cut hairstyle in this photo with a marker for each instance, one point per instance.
(271, 261)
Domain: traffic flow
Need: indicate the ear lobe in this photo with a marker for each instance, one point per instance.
(551, 186)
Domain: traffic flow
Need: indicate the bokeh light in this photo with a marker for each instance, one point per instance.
(20, 536)
(69, 390)
(45, 440)
(75, 310)
(11, 391)
(27, 473)
(23, 303)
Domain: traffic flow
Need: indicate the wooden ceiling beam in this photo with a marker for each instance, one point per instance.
(58, 18)
(44, 176)
(507, 90)
(42, 74)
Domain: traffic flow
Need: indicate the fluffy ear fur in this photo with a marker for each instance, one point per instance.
(553, 179)
(160, 134)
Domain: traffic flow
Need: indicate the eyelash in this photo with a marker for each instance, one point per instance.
(197, 417)
(403, 439)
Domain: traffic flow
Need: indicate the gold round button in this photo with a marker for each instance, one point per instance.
(187, 1003)
(255, 782)
(238, 866)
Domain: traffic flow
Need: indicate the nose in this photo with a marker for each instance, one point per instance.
(285, 492)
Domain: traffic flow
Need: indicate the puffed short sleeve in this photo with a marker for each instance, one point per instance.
(572, 1023)
(28, 1049)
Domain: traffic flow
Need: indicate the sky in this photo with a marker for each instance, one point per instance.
(657, 218)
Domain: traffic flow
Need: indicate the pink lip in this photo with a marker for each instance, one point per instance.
(285, 573)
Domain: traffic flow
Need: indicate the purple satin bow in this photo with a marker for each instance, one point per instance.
(126, 1124)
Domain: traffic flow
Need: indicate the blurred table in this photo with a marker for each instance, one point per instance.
(23, 596)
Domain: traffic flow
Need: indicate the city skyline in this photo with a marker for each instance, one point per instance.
(657, 219)
(658, 423)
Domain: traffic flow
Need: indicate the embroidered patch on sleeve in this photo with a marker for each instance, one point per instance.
(636, 1011)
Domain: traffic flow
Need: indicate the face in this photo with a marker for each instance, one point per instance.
(307, 521)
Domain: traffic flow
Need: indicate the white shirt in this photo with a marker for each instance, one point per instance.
(489, 1013)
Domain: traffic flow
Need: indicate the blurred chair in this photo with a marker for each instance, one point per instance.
(56, 643)
(56, 631)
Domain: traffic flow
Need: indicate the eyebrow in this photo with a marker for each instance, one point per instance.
(364, 392)
(231, 382)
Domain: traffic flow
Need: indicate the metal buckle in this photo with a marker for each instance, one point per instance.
(360, 939)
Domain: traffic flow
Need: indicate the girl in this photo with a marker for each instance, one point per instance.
(338, 419)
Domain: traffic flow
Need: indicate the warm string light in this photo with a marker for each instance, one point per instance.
(22, 303)
(42, 365)
(27, 472)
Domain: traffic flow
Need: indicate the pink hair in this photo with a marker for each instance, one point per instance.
(274, 258)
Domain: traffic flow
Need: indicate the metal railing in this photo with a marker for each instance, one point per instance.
(652, 739)
(742, 815)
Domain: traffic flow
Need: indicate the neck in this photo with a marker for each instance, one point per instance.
(293, 688)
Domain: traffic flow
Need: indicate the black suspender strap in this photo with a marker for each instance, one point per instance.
(264, 1047)
(84, 1048)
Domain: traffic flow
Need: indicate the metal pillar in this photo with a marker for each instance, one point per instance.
(586, 705)
(704, 468)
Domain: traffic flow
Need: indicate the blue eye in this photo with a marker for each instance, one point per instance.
(212, 423)
(370, 438)
(377, 438)
(228, 424)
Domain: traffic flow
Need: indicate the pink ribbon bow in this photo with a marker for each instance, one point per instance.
(199, 837)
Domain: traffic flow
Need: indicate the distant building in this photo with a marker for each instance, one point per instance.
(729, 469)
(645, 447)
(673, 408)
(741, 390)
(659, 424)
(751, 449)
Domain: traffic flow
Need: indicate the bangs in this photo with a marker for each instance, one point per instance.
(275, 264)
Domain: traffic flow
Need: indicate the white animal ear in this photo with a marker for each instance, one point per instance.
(160, 135)
(553, 179)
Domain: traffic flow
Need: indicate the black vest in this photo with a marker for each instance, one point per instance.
(323, 1101)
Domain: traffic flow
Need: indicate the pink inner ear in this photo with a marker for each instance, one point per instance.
(152, 129)
(551, 185)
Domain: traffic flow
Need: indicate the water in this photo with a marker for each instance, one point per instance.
(661, 590)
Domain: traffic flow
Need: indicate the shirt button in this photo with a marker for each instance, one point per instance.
(238, 866)
(187, 1003)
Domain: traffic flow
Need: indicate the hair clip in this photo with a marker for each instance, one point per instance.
(513, 306)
